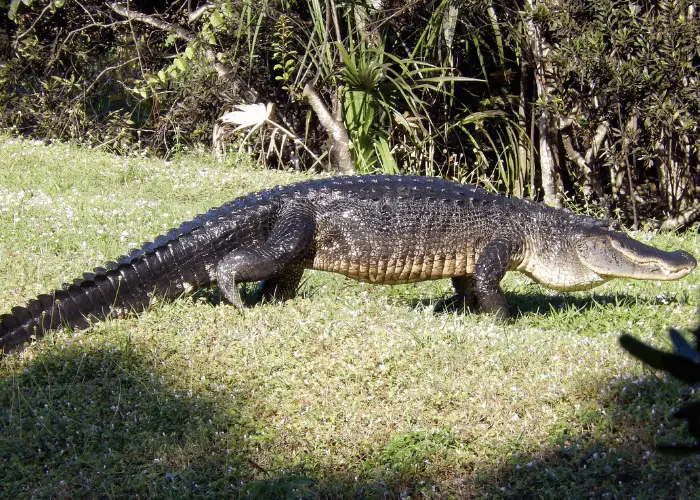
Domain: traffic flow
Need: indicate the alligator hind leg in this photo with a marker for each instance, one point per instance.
(275, 261)
(228, 286)
(464, 297)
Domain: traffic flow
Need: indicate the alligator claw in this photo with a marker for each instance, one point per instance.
(456, 303)
(235, 298)
(501, 315)
(238, 300)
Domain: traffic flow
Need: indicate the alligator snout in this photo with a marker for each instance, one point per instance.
(615, 255)
(683, 260)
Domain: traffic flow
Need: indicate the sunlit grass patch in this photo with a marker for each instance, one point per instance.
(348, 390)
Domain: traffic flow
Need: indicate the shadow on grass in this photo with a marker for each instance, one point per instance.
(536, 302)
(541, 303)
(605, 450)
(106, 424)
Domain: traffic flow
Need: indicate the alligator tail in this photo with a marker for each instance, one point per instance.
(120, 287)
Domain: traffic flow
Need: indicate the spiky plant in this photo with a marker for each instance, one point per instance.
(683, 364)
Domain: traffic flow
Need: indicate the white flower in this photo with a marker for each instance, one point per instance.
(249, 115)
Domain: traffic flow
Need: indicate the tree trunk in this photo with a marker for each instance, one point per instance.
(341, 158)
(586, 176)
(538, 50)
(524, 159)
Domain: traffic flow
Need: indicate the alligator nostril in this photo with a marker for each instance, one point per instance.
(688, 257)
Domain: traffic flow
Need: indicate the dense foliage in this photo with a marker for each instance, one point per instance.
(591, 103)
(631, 70)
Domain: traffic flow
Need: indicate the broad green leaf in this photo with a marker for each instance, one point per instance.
(216, 20)
(180, 64)
(387, 160)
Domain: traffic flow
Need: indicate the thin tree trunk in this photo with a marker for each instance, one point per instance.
(340, 141)
(524, 160)
(584, 162)
(628, 140)
(538, 50)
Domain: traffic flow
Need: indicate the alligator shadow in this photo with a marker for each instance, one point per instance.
(540, 303)
(544, 303)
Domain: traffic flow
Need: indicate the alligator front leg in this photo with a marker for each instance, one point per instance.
(277, 262)
(490, 269)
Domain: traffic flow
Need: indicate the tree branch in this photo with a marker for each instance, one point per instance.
(38, 18)
(683, 219)
(340, 149)
(109, 68)
(196, 14)
(249, 94)
(574, 155)
(69, 36)
(583, 161)
(175, 29)
(598, 139)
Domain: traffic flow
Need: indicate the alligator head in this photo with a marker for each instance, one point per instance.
(593, 256)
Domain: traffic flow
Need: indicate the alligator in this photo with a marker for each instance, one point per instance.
(376, 229)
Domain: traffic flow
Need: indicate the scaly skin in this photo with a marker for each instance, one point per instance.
(382, 229)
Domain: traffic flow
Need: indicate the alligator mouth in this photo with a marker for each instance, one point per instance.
(671, 265)
(619, 256)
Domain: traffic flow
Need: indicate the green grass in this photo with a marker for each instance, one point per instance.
(349, 390)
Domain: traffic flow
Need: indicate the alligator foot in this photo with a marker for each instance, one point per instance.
(464, 299)
(460, 303)
(231, 292)
(282, 286)
(456, 303)
(495, 305)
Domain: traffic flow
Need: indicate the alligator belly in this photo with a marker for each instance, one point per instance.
(394, 270)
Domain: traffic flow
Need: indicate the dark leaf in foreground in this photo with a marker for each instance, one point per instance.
(684, 364)
(682, 347)
(677, 365)
(681, 450)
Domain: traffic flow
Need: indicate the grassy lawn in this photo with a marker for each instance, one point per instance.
(349, 390)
